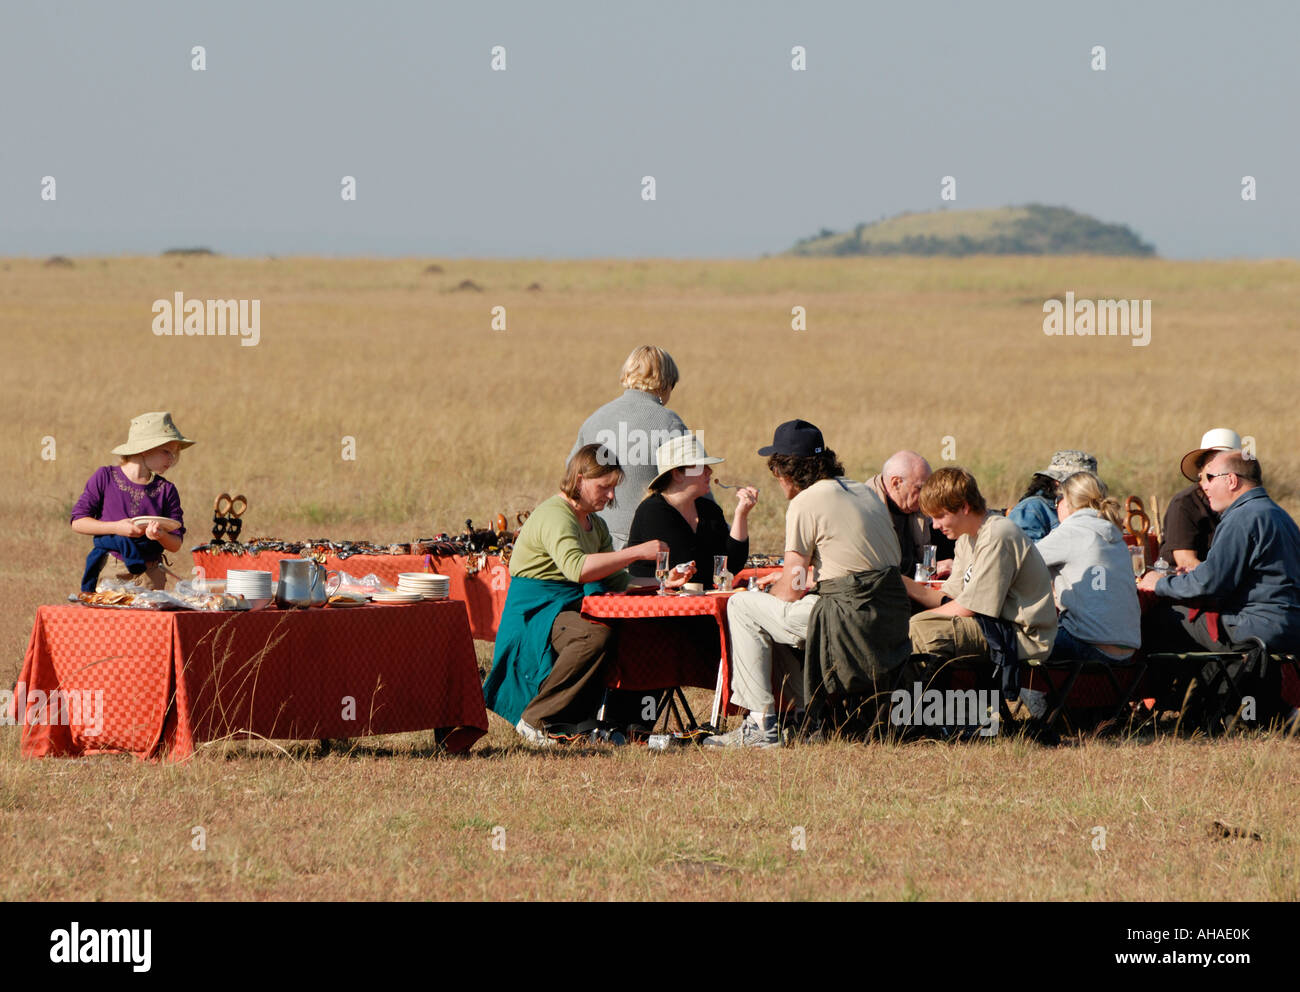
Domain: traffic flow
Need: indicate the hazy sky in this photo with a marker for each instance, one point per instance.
(546, 158)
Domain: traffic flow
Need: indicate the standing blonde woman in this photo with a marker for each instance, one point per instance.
(1092, 575)
(633, 427)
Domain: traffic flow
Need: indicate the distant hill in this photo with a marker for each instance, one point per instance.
(1028, 230)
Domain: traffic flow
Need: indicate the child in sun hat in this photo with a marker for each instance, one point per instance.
(116, 494)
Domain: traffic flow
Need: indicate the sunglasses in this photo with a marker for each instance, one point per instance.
(1207, 476)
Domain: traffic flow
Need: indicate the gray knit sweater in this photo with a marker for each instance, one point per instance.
(632, 426)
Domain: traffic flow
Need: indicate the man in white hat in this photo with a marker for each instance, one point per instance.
(1190, 521)
(1250, 576)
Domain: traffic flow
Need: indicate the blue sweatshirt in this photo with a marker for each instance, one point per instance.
(1252, 573)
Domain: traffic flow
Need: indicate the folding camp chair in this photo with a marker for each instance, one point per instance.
(1216, 700)
(1062, 678)
(958, 673)
(1289, 665)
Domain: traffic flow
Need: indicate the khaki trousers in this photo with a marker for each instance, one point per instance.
(948, 637)
(153, 577)
(573, 690)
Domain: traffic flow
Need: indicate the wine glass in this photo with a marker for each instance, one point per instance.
(661, 569)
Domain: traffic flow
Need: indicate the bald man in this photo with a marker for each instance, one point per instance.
(899, 485)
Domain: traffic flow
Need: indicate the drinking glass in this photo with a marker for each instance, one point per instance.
(661, 569)
(719, 571)
(928, 558)
(1137, 553)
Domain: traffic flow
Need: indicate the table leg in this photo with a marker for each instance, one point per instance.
(718, 716)
(689, 724)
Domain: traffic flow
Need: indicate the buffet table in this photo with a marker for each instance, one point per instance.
(155, 684)
(483, 593)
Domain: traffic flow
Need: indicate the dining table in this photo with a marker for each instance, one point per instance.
(158, 684)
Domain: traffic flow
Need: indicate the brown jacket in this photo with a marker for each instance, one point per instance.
(917, 529)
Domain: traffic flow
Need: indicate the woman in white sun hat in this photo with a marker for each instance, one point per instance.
(117, 494)
(679, 512)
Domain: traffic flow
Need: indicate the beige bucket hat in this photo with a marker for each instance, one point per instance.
(1217, 439)
(684, 451)
(149, 431)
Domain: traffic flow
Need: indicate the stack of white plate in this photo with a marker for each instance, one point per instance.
(425, 584)
(395, 597)
(253, 585)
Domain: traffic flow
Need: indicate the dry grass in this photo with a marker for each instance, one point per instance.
(452, 420)
(992, 821)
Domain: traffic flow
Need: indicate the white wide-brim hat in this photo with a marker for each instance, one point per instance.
(149, 431)
(1218, 439)
(684, 451)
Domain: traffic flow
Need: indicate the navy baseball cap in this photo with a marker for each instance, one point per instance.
(795, 437)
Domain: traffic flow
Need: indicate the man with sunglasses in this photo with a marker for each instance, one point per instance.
(1250, 577)
(1189, 520)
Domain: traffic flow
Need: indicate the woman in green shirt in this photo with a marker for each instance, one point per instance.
(548, 659)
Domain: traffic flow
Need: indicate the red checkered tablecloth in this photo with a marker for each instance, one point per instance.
(169, 680)
(678, 640)
(484, 592)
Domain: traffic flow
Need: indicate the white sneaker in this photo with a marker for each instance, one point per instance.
(750, 733)
(532, 736)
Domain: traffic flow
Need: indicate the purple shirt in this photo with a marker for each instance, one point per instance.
(110, 495)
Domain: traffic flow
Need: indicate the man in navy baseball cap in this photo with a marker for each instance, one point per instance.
(839, 603)
(795, 437)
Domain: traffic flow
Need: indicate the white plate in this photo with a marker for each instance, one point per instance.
(424, 576)
(395, 597)
(167, 523)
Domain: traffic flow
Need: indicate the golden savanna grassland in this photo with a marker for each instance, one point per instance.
(452, 419)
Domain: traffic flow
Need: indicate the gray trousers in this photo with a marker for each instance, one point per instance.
(767, 632)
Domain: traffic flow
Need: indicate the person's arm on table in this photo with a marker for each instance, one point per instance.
(922, 594)
(1222, 571)
(603, 564)
(792, 583)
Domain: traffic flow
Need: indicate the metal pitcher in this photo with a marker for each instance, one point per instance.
(302, 583)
